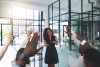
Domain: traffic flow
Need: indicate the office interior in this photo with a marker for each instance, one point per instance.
(18, 16)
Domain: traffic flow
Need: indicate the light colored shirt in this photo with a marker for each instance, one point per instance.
(25, 41)
(83, 42)
(79, 63)
(77, 41)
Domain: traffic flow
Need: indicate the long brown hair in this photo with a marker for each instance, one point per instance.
(45, 34)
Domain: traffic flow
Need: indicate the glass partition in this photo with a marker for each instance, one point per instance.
(83, 21)
(63, 6)
(56, 9)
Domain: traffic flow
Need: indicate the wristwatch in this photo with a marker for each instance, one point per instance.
(23, 57)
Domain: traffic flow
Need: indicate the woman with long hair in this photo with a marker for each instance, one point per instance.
(51, 56)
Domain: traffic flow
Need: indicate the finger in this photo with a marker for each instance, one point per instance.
(29, 38)
(37, 40)
(35, 35)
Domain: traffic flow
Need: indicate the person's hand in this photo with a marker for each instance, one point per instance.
(10, 38)
(79, 37)
(53, 42)
(31, 47)
(68, 30)
(29, 32)
(46, 45)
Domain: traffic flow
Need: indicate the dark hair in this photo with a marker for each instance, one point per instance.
(20, 51)
(93, 56)
(45, 34)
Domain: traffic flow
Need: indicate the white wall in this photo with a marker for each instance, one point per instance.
(6, 8)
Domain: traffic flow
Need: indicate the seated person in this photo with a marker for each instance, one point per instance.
(91, 58)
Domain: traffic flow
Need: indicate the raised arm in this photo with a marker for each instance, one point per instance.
(9, 40)
(68, 31)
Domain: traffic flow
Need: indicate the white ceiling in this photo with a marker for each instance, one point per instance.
(42, 2)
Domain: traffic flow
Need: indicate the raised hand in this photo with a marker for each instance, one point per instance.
(68, 30)
(10, 38)
(31, 47)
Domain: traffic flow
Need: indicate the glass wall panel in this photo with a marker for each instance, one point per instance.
(85, 4)
(63, 6)
(56, 29)
(64, 38)
(50, 11)
(36, 15)
(29, 14)
(76, 6)
(4, 21)
(56, 9)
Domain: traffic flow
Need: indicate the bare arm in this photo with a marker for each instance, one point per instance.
(68, 30)
(2, 52)
(56, 42)
(45, 43)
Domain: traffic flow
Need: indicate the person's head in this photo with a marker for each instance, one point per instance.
(91, 57)
(83, 47)
(47, 33)
(20, 51)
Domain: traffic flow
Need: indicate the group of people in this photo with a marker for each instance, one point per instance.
(90, 57)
